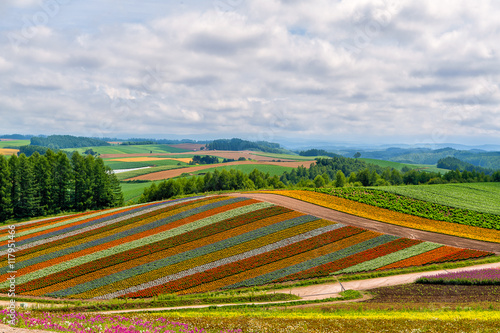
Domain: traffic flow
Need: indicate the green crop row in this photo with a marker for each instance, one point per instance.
(407, 205)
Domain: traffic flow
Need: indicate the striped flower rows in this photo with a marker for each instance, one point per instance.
(333, 266)
(389, 216)
(185, 242)
(153, 247)
(198, 245)
(150, 274)
(248, 260)
(39, 267)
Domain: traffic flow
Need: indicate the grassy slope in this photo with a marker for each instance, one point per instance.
(247, 168)
(140, 149)
(482, 197)
(399, 166)
(14, 143)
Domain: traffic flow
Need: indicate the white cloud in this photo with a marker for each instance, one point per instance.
(326, 69)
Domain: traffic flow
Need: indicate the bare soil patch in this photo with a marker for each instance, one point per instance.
(425, 293)
(188, 146)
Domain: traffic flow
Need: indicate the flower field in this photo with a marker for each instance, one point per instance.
(490, 276)
(196, 245)
(369, 211)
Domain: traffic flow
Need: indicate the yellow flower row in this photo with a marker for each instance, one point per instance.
(389, 216)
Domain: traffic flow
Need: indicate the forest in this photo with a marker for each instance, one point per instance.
(52, 183)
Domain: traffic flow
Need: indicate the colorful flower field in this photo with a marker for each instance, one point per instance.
(488, 276)
(96, 323)
(194, 245)
(393, 217)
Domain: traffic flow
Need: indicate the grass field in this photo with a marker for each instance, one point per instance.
(14, 143)
(482, 197)
(115, 164)
(140, 149)
(274, 170)
(400, 166)
(133, 191)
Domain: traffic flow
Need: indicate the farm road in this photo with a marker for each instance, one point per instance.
(386, 228)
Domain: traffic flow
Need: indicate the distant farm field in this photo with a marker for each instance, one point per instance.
(8, 151)
(201, 168)
(400, 166)
(274, 170)
(482, 197)
(13, 143)
(139, 149)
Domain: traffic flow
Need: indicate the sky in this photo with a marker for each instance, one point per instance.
(354, 71)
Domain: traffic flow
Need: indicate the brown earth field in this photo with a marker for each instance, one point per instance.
(428, 293)
(385, 228)
(188, 146)
(219, 153)
(177, 172)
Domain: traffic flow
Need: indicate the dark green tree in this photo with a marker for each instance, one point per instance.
(5, 190)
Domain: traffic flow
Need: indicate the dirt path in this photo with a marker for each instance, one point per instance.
(386, 228)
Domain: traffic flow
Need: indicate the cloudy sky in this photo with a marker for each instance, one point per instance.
(337, 71)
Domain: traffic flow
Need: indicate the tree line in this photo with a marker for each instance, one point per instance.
(66, 141)
(52, 183)
(335, 172)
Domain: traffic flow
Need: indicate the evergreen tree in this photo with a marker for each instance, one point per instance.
(62, 177)
(28, 202)
(15, 190)
(5, 191)
(43, 183)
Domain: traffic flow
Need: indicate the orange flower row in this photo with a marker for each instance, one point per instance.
(423, 258)
(392, 217)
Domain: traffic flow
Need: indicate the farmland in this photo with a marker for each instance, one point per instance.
(196, 245)
(400, 166)
(483, 197)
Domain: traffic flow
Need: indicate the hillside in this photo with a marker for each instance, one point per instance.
(198, 244)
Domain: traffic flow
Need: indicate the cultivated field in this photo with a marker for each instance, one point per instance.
(483, 197)
(198, 245)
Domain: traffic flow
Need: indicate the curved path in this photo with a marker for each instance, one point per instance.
(386, 228)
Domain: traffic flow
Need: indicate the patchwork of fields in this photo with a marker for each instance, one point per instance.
(199, 244)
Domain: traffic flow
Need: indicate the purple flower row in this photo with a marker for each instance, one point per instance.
(489, 276)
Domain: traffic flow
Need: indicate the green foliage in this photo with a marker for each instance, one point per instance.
(416, 207)
(238, 144)
(197, 159)
(66, 141)
(40, 185)
(317, 152)
(453, 163)
(30, 150)
(217, 181)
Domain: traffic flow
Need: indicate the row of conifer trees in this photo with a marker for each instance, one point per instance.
(52, 183)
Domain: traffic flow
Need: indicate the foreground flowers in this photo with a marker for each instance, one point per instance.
(92, 323)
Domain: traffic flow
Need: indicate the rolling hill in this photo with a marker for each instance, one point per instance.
(196, 245)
